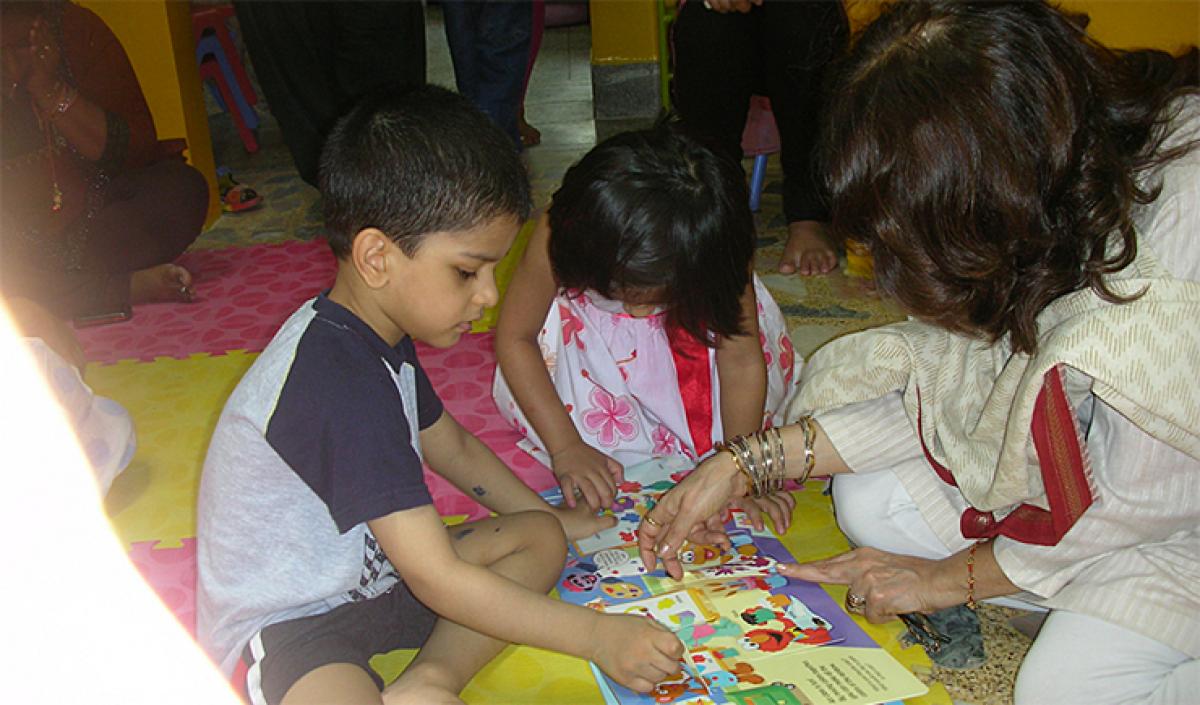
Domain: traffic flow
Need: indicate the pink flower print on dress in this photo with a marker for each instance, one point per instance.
(787, 356)
(762, 342)
(572, 326)
(610, 418)
(664, 440)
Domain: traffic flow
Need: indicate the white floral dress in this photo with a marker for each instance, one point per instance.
(635, 391)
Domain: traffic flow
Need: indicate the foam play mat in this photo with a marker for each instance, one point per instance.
(173, 365)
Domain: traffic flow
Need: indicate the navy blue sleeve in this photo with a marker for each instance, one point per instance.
(340, 425)
(429, 404)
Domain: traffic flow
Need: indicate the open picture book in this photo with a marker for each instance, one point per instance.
(751, 635)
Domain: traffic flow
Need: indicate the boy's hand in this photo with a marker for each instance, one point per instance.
(583, 471)
(636, 652)
(778, 506)
(582, 521)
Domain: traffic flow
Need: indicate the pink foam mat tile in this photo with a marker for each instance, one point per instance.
(243, 294)
(172, 574)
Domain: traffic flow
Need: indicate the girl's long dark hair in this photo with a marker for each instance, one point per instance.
(655, 210)
(990, 155)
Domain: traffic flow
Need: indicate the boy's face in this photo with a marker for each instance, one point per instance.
(448, 282)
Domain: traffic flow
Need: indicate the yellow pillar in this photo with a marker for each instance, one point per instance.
(624, 31)
(157, 36)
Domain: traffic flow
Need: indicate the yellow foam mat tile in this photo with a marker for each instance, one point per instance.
(174, 405)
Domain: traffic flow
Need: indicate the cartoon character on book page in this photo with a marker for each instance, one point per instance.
(769, 624)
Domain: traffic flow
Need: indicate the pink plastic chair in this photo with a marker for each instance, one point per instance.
(759, 139)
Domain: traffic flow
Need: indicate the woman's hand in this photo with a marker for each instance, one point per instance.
(690, 510)
(891, 584)
(34, 65)
(583, 471)
(778, 506)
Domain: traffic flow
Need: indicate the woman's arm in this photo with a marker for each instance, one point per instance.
(108, 117)
(689, 509)
(742, 371)
(893, 584)
(522, 316)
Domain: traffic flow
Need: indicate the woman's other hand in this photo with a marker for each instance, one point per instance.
(891, 584)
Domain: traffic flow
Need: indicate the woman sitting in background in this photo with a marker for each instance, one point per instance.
(94, 207)
(1033, 200)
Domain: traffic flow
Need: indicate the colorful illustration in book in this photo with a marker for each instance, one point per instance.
(750, 636)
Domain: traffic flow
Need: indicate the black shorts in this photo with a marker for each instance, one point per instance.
(282, 653)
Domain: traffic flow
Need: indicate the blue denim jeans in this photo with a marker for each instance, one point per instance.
(489, 45)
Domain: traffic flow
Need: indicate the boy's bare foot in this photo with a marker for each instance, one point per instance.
(807, 250)
(165, 282)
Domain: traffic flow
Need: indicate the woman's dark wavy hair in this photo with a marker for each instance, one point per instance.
(653, 209)
(989, 154)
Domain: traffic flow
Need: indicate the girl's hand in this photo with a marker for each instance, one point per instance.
(778, 506)
(892, 584)
(582, 521)
(636, 652)
(584, 472)
(690, 510)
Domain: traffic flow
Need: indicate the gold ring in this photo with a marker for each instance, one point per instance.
(855, 603)
(651, 521)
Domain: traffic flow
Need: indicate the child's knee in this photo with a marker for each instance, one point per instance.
(545, 534)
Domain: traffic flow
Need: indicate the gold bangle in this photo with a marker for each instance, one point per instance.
(810, 438)
(971, 604)
(737, 465)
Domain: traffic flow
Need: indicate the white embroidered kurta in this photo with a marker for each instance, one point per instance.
(617, 378)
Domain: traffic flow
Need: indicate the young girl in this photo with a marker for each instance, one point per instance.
(634, 326)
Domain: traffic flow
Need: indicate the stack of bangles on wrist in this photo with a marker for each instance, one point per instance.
(761, 459)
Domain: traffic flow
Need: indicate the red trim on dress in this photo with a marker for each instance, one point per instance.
(695, 386)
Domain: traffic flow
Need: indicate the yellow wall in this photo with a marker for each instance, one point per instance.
(624, 31)
(157, 36)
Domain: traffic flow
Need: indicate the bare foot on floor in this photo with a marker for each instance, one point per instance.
(808, 250)
(530, 135)
(165, 282)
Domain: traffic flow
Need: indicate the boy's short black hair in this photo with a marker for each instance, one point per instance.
(412, 161)
(656, 210)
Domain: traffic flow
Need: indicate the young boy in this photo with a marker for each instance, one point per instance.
(318, 544)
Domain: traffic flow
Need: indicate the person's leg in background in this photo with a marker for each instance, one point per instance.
(717, 66)
(530, 135)
(290, 49)
(313, 59)
(800, 40)
(489, 46)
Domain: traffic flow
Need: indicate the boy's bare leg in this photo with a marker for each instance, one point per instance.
(334, 683)
(527, 548)
(808, 250)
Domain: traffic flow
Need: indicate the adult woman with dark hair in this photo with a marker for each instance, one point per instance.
(1033, 430)
(94, 207)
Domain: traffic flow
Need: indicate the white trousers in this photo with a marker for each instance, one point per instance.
(1075, 658)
